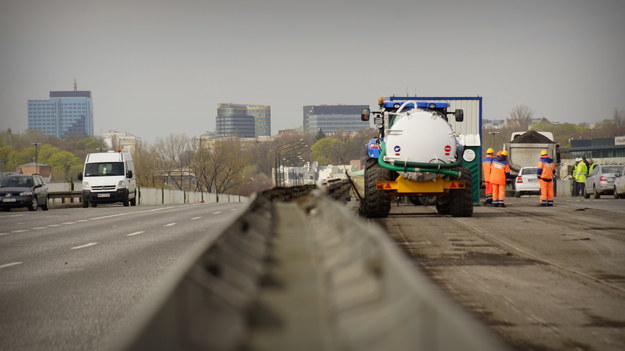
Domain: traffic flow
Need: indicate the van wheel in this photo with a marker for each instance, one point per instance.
(85, 202)
(93, 204)
(45, 205)
(133, 202)
(126, 202)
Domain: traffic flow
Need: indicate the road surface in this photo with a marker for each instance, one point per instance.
(543, 278)
(69, 277)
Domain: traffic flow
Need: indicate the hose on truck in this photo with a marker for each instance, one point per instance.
(443, 168)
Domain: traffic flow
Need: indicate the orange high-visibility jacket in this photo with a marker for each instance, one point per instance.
(499, 171)
(486, 166)
(546, 168)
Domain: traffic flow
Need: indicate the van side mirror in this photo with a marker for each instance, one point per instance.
(79, 176)
(459, 114)
(364, 114)
(129, 174)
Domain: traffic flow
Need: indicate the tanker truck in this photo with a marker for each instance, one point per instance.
(416, 154)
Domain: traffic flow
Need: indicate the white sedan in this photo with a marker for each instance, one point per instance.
(527, 182)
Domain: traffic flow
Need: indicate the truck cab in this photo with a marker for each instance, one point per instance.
(108, 177)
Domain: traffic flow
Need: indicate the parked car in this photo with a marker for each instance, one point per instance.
(601, 180)
(527, 182)
(23, 191)
(619, 184)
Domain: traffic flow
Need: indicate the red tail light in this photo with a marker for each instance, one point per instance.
(519, 179)
(603, 179)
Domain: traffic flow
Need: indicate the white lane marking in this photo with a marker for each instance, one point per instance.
(10, 264)
(217, 212)
(136, 233)
(1, 234)
(19, 231)
(54, 225)
(38, 228)
(169, 225)
(194, 218)
(83, 246)
(68, 223)
(129, 213)
(82, 220)
(233, 209)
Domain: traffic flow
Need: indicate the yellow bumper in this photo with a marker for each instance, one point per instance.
(403, 186)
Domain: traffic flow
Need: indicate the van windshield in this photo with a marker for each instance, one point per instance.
(104, 169)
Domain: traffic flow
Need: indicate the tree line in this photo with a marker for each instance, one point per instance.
(227, 165)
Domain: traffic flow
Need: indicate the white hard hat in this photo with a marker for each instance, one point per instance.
(578, 159)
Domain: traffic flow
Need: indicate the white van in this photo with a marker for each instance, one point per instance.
(108, 177)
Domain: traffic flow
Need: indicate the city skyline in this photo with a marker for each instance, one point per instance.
(156, 67)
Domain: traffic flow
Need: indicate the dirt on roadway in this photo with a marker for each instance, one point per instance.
(544, 278)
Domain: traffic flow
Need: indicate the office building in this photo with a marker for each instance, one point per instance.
(244, 121)
(65, 113)
(333, 118)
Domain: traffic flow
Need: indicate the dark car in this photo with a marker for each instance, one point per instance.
(23, 191)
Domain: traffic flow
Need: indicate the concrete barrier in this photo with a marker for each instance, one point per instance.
(159, 196)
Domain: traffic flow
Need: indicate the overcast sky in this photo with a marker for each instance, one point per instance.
(157, 67)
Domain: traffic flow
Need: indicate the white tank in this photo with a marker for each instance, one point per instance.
(420, 136)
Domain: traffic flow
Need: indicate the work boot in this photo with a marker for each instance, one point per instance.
(502, 205)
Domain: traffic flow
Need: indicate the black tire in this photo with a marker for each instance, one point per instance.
(377, 203)
(595, 193)
(586, 194)
(45, 205)
(461, 200)
(616, 195)
(34, 204)
(133, 202)
(517, 194)
(443, 204)
(85, 202)
(93, 204)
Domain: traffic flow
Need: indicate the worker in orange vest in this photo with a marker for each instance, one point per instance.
(486, 166)
(499, 174)
(546, 171)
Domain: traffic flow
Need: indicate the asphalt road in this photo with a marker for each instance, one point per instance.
(69, 278)
(542, 278)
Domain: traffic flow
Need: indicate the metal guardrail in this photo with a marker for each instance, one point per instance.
(296, 270)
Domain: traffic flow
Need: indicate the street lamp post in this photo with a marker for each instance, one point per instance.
(36, 156)
(493, 134)
(277, 156)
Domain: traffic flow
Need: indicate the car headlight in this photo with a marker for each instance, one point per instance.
(121, 184)
(26, 193)
(85, 186)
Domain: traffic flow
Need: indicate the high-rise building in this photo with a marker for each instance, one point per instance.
(245, 121)
(66, 112)
(334, 118)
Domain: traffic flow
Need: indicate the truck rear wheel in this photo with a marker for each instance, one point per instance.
(377, 203)
(443, 204)
(461, 200)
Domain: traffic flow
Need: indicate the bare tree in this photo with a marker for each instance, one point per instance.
(521, 117)
(173, 157)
